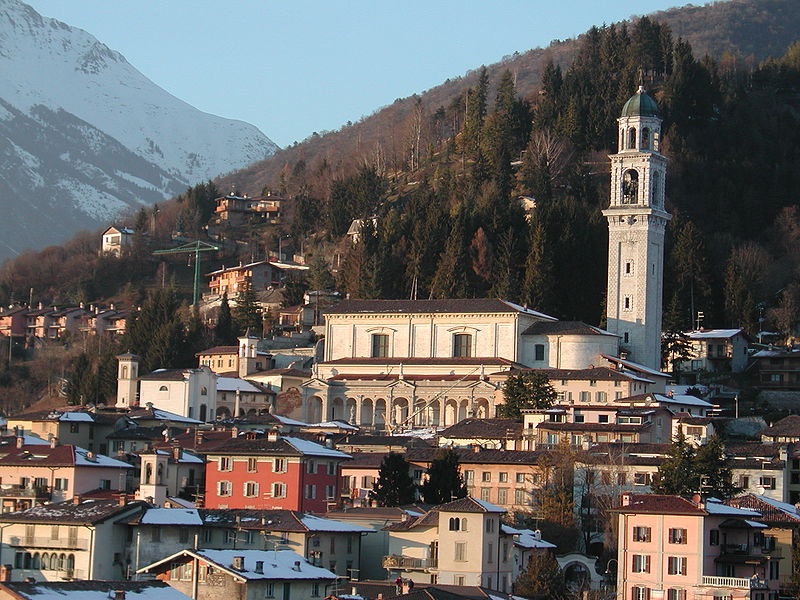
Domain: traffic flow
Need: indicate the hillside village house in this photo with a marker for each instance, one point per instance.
(251, 574)
(272, 472)
(675, 549)
(235, 210)
(778, 369)
(712, 351)
(327, 543)
(90, 590)
(78, 539)
(116, 240)
(460, 542)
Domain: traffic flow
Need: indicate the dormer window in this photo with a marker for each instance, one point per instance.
(462, 345)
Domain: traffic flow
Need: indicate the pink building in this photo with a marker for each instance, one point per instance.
(60, 472)
(671, 548)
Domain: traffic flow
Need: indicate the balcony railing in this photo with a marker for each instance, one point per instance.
(735, 582)
(45, 542)
(395, 561)
(19, 491)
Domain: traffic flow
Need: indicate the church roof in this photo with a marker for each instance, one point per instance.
(640, 105)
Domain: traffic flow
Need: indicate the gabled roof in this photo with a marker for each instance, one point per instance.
(282, 446)
(276, 565)
(632, 366)
(786, 427)
(87, 512)
(92, 590)
(660, 504)
(444, 306)
(708, 334)
(565, 328)
(471, 505)
(772, 511)
(38, 455)
(506, 429)
(219, 350)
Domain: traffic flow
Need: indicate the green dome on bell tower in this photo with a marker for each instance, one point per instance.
(640, 105)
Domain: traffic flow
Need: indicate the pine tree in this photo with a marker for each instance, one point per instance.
(526, 389)
(394, 486)
(537, 283)
(319, 275)
(716, 477)
(474, 114)
(294, 289)
(247, 312)
(223, 332)
(450, 280)
(678, 474)
(444, 482)
(542, 579)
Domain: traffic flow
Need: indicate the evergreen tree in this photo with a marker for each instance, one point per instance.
(319, 275)
(394, 486)
(154, 330)
(444, 482)
(77, 381)
(474, 114)
(526, 389)
(542, 579)
(247, 312)
(537, 283)
(294, 289)
(223, 332)
(715, 476)
(450, 280)
(678, 474)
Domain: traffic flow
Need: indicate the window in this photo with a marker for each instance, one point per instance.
(462, 345)
(183, 535)
(315, 589)
(489, 525)
(330, 492)
(486, 477)
(251, 489)
(520, 497)
(252, 465)
(627, 303)
(208, 535)
(279, 465)
(460, 554)
(269, 590)
(641, 534)
(600, 396)
(311, 491)
(744, 481)
(767, 482)
(578, 418)
(332, 468)
(713, 537)
(641, 478)
(503, 477)
(676, 594)
(645, 138)
(203, 391)
(469, 477)
(155, 534)
(538, 352)
(774, 569)
(490, 553)
(602, 418)
(486, 494)
(105, 484)
(163, 388)
(61, 483)
(656, 185)
(224, 488)
(625, 338)
(677, 536)
(311, 467)
(502, 496)
(230, 536)
(585, 397)
(380, 345)
(225, 463)
(520, 477)
(640, 563)
(640, 593)
(628, 268)
(676, 565)
(630, 187)
(454, 524)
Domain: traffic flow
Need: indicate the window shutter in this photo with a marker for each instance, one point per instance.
(647, 564)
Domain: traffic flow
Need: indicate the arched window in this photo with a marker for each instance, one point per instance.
(454, 524)
(630, 187)
(163, 388)
(464, 524)
(160, 474)
(148, 473)
(37, 561)
(622, 140)
(632, 138)
(45, 561)
(204, 391)
(124, 372)
(71, 562)
(645, 138)
(28, 560)
(656, 140)
(62, 561)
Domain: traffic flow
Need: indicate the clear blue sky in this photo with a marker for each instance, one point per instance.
(292, 68)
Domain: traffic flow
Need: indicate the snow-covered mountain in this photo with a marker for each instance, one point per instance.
(84, 135)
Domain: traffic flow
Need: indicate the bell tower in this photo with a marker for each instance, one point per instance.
(636, 223)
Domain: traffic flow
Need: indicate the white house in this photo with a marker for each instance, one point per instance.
(190, 393)
(116, 239)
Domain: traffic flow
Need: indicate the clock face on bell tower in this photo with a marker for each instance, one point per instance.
(636, 223)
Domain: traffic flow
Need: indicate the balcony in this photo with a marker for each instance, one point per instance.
(19, 491)
(68, 542)
(408, 563)
(735, 582)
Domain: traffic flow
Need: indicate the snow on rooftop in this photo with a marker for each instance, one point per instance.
(33, 440)
(171, 516)
(232, 384)
(165, 415)
(319, 524)
(313, 448)
(99, 460)
(704, 334)
(76, 416)
(181, 502)
(529, 311)
(288, 421)
(527, 537)
(715, 507)
(635, 366)
(755, 524)
(684, 399)
(337, 424)
(489, 507)
(280, 564)
(54, 591)
(785, 507)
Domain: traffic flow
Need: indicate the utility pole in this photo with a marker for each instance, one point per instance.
(195, 248)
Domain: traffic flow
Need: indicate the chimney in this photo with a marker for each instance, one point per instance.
(119, 594)
(234, 432)
(198, 438)
(696, 499)
(5, 572)
(20, 441)
(176, 453)
(296, 566)
(272, 436)
(122, 499)
(76, 499)
(626, 498)
(90, 456)
(476, 448)
(537, 535)
(53, 441)
(238, 563)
